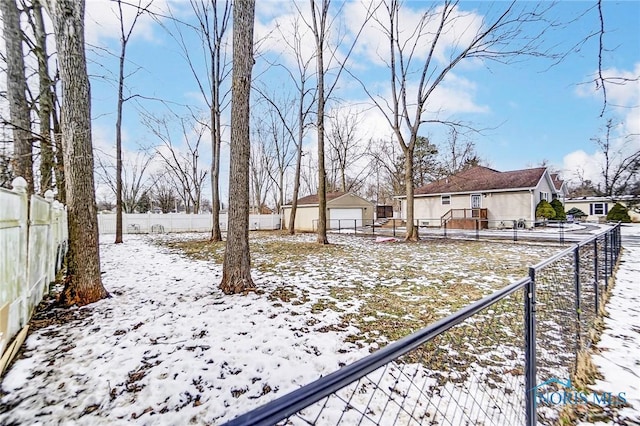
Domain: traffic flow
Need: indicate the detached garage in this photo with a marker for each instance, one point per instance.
(344, 210)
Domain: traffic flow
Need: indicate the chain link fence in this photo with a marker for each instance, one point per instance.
(481, 365)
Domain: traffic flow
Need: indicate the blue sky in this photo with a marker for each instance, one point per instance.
(532, 110)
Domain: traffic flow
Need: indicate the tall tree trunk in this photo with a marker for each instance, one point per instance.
(123, 52)
(45, 101)
(84, 284)
(296, 179)
(236, 272)
(16, 93)
(319, 32)
(216, 134)
(59, 156)
(296, 185)
(216, 233)
(412, 230)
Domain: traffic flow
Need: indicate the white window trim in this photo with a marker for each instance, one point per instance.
(601, 207)
(442, 200)
(471, 200)
(544, 196)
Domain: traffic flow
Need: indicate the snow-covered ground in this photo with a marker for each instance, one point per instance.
(618, 360)
(168, 348)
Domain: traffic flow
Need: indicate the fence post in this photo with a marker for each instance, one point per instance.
(530, 348)
(394, 227)
(595, 275)
(19, 186)
(515, 230)
(606, 262)
(48, 195)
(355, 226)
(576, 281)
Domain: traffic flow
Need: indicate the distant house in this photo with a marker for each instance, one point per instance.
(561, 187)
(596, 208)
(344, 210)
(484, 197)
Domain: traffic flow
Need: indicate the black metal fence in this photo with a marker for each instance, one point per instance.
(478, 229)
(485, 364)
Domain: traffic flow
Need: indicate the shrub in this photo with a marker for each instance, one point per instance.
(619, 213)
(544, 209)
(559, 208)
(576, 212)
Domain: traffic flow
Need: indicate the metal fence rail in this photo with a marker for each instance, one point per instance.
(481, 365)
(480, 229)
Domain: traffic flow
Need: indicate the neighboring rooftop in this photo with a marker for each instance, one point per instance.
(314, 199)
(481, 178)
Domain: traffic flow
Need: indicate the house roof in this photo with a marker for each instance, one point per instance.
(557, 182)
(481, 178)
(314, 199)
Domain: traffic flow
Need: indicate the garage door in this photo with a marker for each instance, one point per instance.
(345, 218)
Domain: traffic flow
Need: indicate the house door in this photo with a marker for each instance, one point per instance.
(476, 203)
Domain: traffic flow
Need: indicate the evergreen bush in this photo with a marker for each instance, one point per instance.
(559, 208)
(576, 213)
(619, 213)
(544, 209)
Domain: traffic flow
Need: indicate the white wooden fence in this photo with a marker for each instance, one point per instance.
(145, 223)
(32, 247)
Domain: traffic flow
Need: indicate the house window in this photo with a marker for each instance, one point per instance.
(544, 196)
(598, 209)
(446, 199)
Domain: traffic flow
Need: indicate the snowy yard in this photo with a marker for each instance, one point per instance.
(170, 348)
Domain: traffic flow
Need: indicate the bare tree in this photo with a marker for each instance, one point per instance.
(45, 97)
(619, 169)
(389, 167)
(134, 182)
(309, 175)
(213, 19)
(163, 192)
(499, 37)
(16, 93)
(344, 148)
(276, 131)
(84, 284)
(601, 80)
(261, 162)
(456, 155)
(125, 36)
(236, 270)
(320, 24)
(295, 114)
(182, 162)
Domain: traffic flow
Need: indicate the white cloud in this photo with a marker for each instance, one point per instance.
(102, 20)
(459, 30)
(579, 165)
(623, 96)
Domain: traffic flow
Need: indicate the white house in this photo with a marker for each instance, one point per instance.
(344, 210)
(596, 208)
(484, 197)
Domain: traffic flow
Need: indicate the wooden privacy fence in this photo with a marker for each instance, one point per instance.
(33, 242)
(145, 223)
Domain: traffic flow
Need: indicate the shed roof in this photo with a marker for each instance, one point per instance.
(314, 199)
(481, 178)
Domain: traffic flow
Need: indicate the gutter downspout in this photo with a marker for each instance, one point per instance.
(533, 207)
